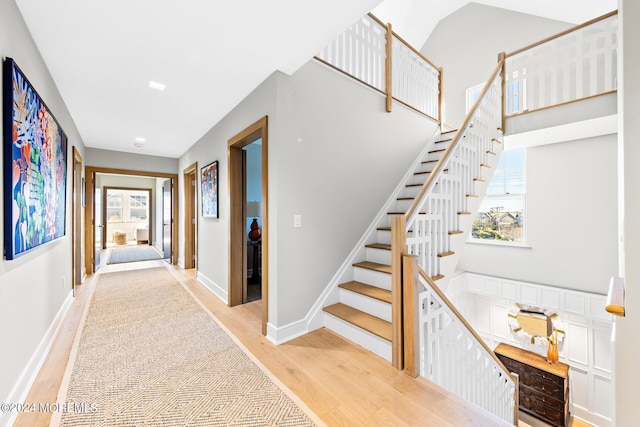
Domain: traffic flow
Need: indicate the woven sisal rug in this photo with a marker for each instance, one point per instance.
(132, 254)
(150, 355)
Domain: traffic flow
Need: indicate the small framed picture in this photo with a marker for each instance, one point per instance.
(209, 186)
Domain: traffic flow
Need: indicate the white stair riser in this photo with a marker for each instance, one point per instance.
(418, 179)
(400, 206)
(384, 237)
(361, 337)
(448, 264)
(409, 192)
(373, 278)
(434, 156)
(381, 256)
(364, 303)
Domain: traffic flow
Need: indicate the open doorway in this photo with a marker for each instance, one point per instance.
(248, 239)
(190, 175)
(77, 238)
(98, 180)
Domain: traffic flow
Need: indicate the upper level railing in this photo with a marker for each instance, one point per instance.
(371, 52)
(576, 64)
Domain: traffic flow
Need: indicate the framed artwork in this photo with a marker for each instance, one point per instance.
(209, 186)
(35, 167)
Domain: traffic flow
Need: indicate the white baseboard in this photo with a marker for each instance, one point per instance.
(215, 289)
(21, 388)
(287, 332)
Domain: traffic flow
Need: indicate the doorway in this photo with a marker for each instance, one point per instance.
(94, 228)
(241, 225)
(76, 232)
(190, 175)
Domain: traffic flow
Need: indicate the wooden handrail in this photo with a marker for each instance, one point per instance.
(414, 50)
(466, 324)
(563, 33)
(375, 18)
(439, 166)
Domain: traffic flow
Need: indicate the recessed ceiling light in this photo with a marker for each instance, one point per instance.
(156, 85)
(140, 139)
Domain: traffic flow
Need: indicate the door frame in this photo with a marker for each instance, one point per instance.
(77, 238)
(237, 223)
(104, 209)
(190, 178)
(89, 213)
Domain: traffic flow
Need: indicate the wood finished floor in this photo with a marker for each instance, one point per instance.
(343, 384)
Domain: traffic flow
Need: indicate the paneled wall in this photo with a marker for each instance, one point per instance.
(487, 301)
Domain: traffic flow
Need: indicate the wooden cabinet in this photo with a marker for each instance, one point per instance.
(543, 387)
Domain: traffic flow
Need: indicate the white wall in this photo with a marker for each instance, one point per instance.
(569, 218)
(35, 286)
(335, 156)
(467, 43)
(627, 344)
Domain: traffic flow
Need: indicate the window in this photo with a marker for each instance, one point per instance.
(114, 206)
(138, 207)
(127, 205)
(501, 217)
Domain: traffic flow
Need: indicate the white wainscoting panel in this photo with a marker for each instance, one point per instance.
(486, 301)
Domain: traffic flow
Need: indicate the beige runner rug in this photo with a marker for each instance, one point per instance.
(149, 354)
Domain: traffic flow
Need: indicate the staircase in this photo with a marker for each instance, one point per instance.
(363, 313)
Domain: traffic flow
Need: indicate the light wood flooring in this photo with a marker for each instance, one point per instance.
(343, 384)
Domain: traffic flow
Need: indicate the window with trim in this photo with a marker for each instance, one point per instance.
(501, 217)
(127, 205)
(114, 206)
(138, 207)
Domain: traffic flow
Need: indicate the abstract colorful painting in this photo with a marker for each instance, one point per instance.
(209, 185)
(35, 167)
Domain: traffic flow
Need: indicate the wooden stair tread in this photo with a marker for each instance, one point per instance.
(438, 277)
(382, 246)
(471, 195)
(440, 150)
(496, 140)
(484, 165)
(464, 213)
(361, 319)
(430, 161)
(491, 153)
(479, 180)
(452, 232)
(445, 254)
(367, 290)
(382, 268)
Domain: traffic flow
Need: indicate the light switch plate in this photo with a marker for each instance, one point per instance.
(297, 221)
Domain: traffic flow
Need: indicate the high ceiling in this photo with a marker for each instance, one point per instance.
(208, 54)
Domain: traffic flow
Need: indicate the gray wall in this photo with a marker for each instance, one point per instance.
(130, 161)
(34, 286)
(334, 158)
(467, 43)
(571, 207)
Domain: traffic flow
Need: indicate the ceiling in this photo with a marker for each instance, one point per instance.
(209, 55)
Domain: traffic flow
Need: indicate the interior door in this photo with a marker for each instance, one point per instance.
(166, 220)
(99, 226)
